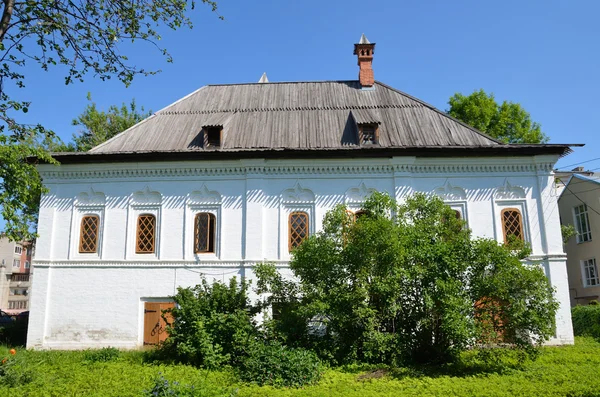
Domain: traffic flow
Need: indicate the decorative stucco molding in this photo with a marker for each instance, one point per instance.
(448, 192)
(297, 194)
(91, 198)
(509, 192)
(358, 194)
(146, 197)
(204, 196)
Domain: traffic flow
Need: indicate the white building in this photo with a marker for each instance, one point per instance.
(233, 175)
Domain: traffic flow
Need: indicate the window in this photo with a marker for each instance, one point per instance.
(212, 136)
(28, 251)
(18, 292)
(457, 214)
(590, 273)
(368, 134)
(204, 233)
(88, 235)
(146, 234)
(27, 265)
(360, 213)
(17, 263)
(298, 227)
(512, 224)
(17, 305)
(582, 224)
(18, 249)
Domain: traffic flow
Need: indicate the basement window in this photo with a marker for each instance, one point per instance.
(212, 136)
(368, 134)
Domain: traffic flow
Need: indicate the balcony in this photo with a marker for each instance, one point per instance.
(19, 277)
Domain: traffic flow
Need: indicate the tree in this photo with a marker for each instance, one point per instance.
(84, 37)
(408, 284)
(99, 126)
(508, 122)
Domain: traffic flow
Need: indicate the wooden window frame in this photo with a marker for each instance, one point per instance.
(361, 126)
(521, 225)
(137, 234)
(290, 248)
(207, 130)
(82, 235)
(582, 236)
(210, 234)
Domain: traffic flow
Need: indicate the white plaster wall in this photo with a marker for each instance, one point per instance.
(84, 301)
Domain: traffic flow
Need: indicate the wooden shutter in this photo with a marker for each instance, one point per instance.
(146, 234)
(155, 327)
(88, 234)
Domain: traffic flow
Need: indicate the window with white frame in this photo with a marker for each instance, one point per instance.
(27, 265)
(590, 272)
(18, 249)
(17, 263)
(582, 224)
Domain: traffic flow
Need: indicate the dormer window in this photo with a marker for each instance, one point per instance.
(368, 134)
(212, 136)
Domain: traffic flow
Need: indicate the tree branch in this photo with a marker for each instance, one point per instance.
(6, 15)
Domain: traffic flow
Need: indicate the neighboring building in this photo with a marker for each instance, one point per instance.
(579, 205)
(234, 175)
(15, 275)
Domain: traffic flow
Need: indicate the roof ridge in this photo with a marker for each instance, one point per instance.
(284, 82)
(288, 109)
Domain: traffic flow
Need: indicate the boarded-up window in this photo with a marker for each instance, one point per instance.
(155, 326)
(204, 232)
(88, 234)
(146, 234)
(298, 229)
(512, 224)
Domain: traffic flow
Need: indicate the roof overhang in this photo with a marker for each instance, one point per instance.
(350, 152)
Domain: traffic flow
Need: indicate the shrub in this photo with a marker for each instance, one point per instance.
(102, 355)
(164, 388)
(212, 324)
(586, 320)
(277, 365)
(14, 371)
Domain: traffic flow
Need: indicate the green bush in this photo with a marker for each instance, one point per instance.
(102, 355)
(212, 325)
(277, 365)
(586, 320)
(15, 372)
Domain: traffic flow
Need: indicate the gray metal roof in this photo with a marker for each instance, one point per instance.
(297, 116)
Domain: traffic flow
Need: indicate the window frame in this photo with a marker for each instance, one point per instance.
(211, 233)
(83, 207)
(361, 127)
(207, 130)
(16, 261)
(27, 265)
(308, 222)
(521, 223)
(19, 248)
(98, 223)
(581, 235)
(154, 233)
(585, 264)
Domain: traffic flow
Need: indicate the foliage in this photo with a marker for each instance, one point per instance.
(164, 388)
(102, 355)
(15, 332)
(508, 121)
(559, 371)
(83, 37)
(213, 324)
(277, 365)
(567, 231)
(14, 371)
(586, 320)
(407, 283)
(99, 126)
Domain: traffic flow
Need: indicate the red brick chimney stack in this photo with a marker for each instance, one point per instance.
(365, 50)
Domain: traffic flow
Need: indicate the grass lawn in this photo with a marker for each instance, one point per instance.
(560, 371)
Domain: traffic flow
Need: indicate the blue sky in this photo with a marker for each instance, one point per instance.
(542, 54)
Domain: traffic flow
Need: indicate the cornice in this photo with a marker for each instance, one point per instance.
(158, 263)
(309, 169)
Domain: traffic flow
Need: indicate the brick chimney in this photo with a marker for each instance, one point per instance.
(365, 50)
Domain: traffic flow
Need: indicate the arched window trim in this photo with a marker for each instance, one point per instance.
(83, 244)
(521, 225)
(138, 231)
(291, 239)
(211, 243)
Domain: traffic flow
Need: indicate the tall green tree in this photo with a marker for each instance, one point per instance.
(82, 37)
(97, 126)
(507, 122)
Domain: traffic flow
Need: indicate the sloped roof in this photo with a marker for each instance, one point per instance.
(295, 116)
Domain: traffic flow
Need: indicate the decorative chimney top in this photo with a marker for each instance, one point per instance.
(263, 78)
(364, 49)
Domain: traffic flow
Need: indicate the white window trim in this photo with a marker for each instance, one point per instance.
(521, 205)
(190, 215)
(27, 265)
(584, 276)
(133, 212)
(460, 206)
(589, 230)
(284, 215)
(19, 248)
(15, 261)
(79, 213)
